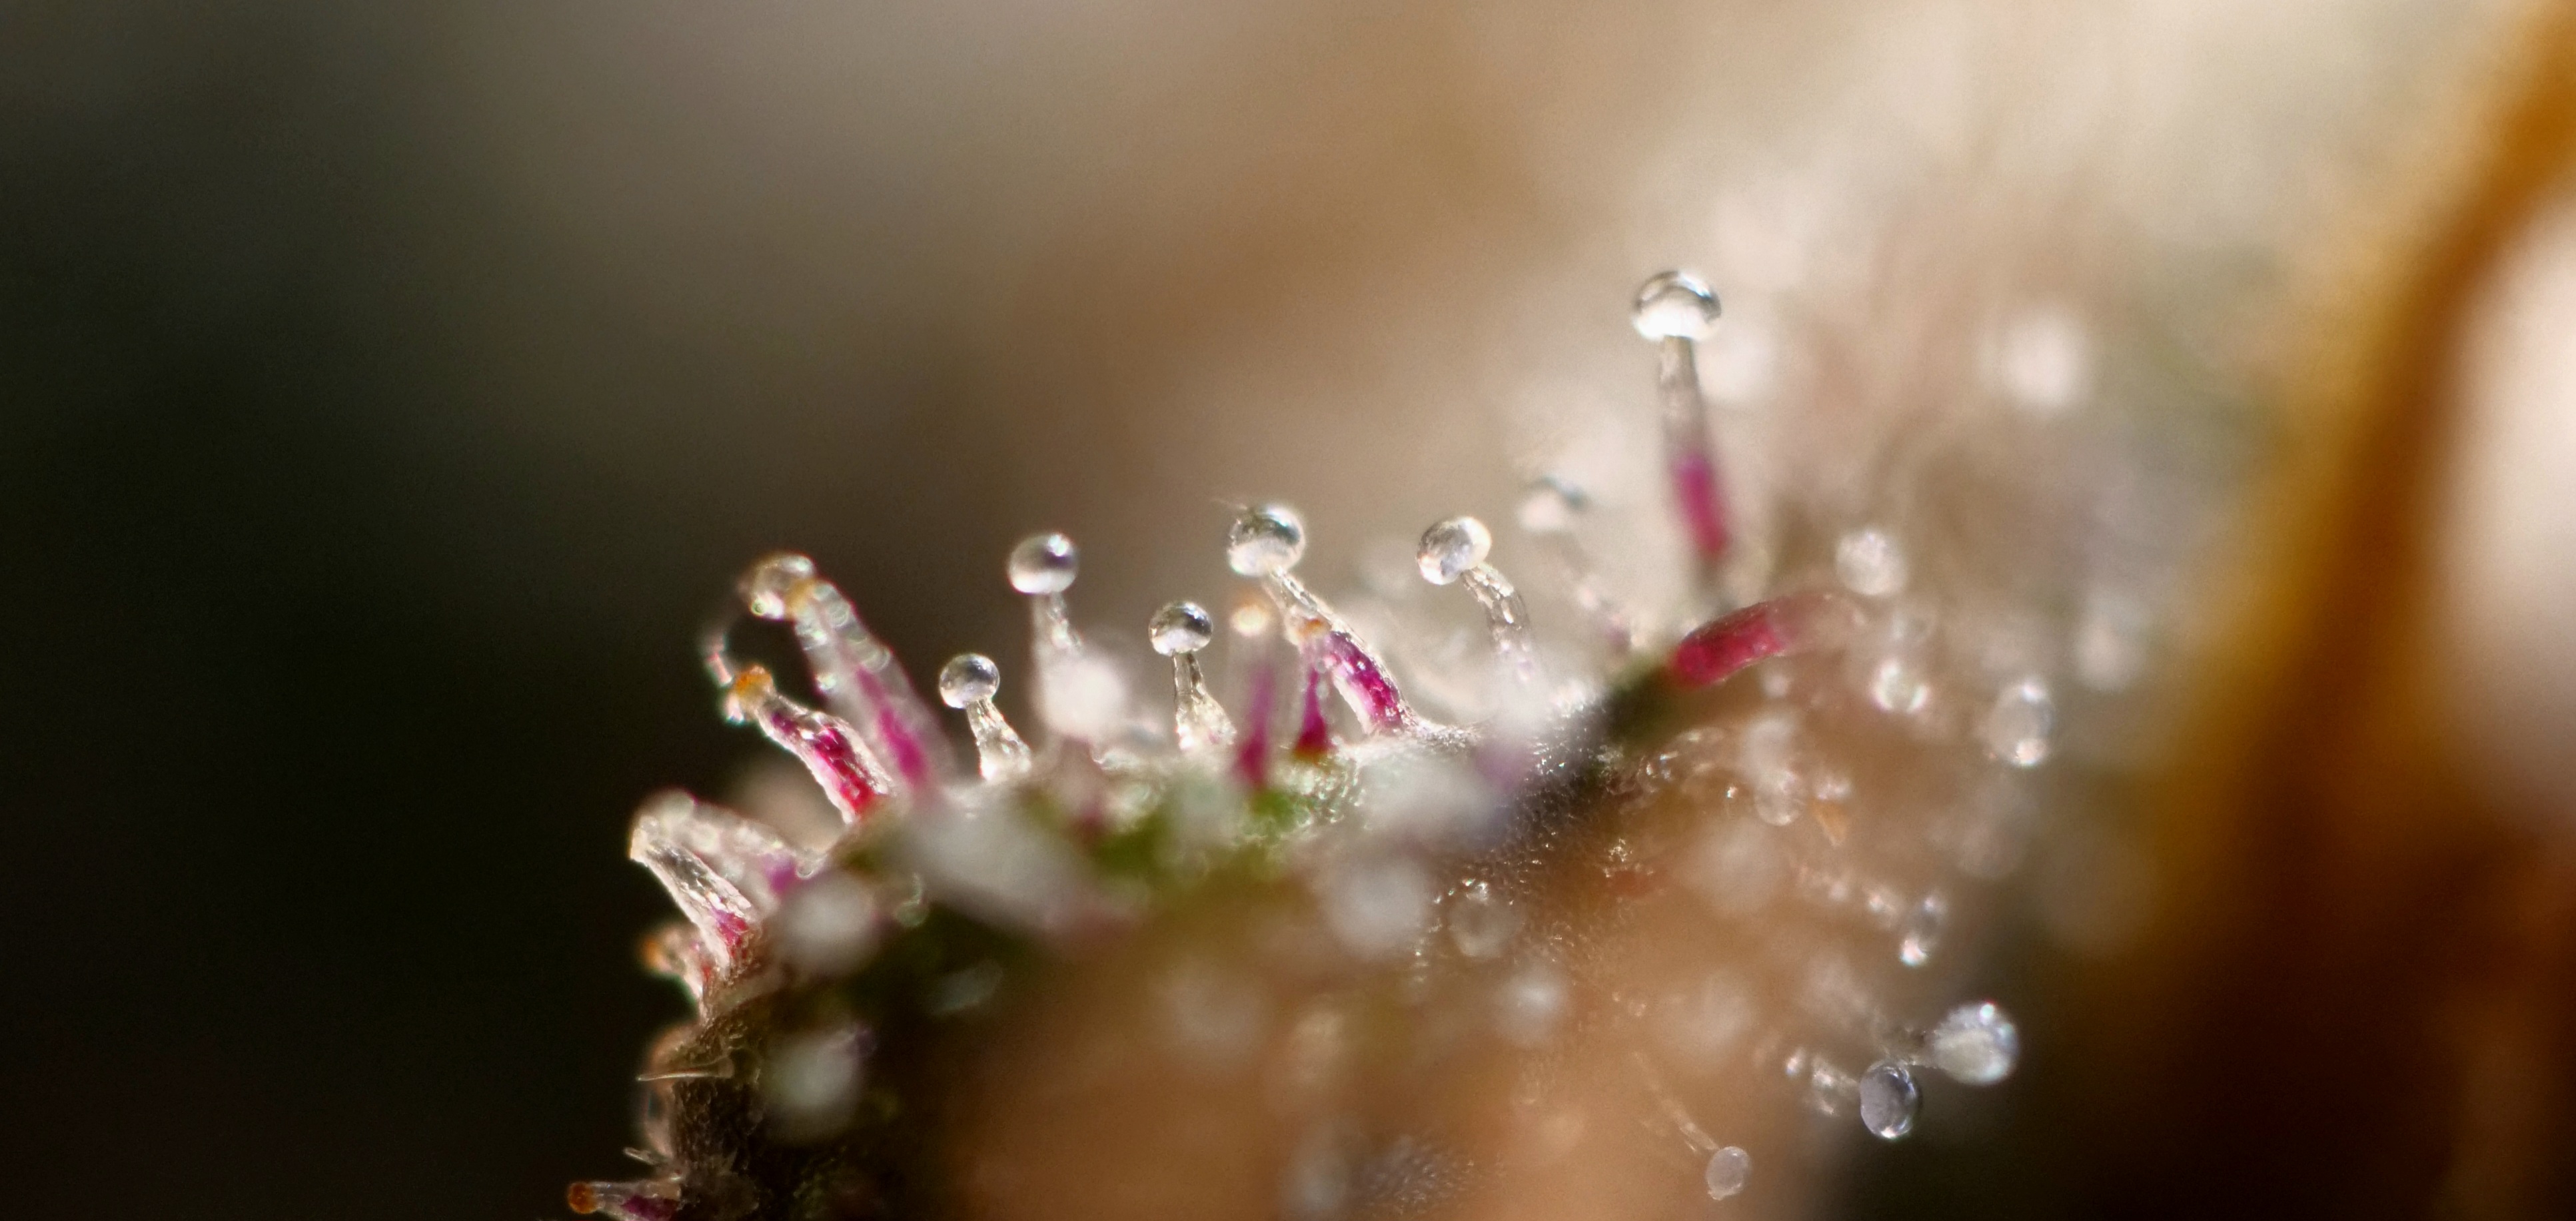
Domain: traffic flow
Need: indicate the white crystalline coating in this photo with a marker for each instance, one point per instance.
(1976, 1044)
(1870, 563)
(1889, 1100)
(830, 925)
(766, 585)
(1451, 547)
(1482, 924)
(1180, 627)
(1377, 906)
(1531, 1005)
(1044, 564)
(1729, 1169)
(1265, 540)
(1675, 305)
(1737, 867)
(969, 678)
(2016, 728)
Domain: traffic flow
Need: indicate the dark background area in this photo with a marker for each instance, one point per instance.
(387, 393)
(327, 710)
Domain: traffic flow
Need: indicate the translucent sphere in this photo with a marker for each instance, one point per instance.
(1265, 540)
(1976, 1044)
(1889, 1099)
(1452, 547)
(1182, 627)
(1728, 1170)
(765, 586)
(1551, 505)
(1674, 305)
(1044, 564)
(2016, 728)
(968, 678)
(1870, 563)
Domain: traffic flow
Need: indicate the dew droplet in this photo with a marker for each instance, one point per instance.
(1044, 564)
(1889, 1099)
(766, 585)
(2016, 729)
(969, 678)
(1266, 540)
(1728, 1170)
(1181, 627)
(1870, 563)
(1976, 1044)
(1451, 547)
(1675, 305)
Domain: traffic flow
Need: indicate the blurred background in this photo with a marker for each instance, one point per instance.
(387, 391)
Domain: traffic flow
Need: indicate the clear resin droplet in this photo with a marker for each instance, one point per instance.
(2016, 729)
(1920, 932)
(1729, 1169)
(970, 681)
(1889, 1100)
(768, 586)
(1266, 540)
(1870, 563)
(969, 678)
(1976, 1044)
(1482, 923)
(1179, 631)
(1451, 547)
(1897, 685)
(1675, 305)
(1044, 564)
(1181, 627)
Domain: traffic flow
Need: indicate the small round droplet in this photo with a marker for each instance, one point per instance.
(1889, 1099)
(1266, 540)
(1182, 627)
(1870, 563)
(1728, 1170)
(1898, 686)
(1044, 564)
(1452, 547)
(1675, 305)
(1482, 923)
(2017, 727)
(1976, 1044)
(968, 678)
(765, 586)
(1550, 505)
